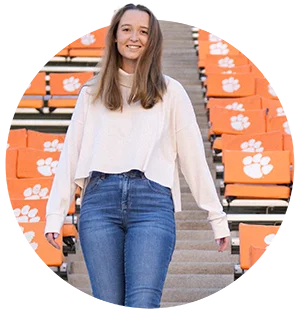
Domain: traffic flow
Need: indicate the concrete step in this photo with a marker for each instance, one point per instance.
(79, 267)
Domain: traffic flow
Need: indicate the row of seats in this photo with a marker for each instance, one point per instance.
(251, 143)
(31, 160)
(89, 45)
(54, 90)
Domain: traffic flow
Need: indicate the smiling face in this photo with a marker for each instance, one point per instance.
(131, 37)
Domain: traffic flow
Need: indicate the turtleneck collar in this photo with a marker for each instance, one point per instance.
(125, 78)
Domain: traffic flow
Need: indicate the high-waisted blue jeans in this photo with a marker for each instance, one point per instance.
(127, 232)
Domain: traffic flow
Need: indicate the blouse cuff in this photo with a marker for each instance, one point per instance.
(220, 227)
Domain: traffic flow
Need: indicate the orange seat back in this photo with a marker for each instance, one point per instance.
(93, 40)
(34, 188)
(68, 84)
(257, 235)
(255, 71)
(214, 69)
(17, 138)
(29, 210)
(37, 85)
(262, 260)
(31, 103)
(270, 167)
(33, 163)
(238, 85)
(48, 142)
(11, 162)
(274, 107)
(236, 122)
(226, 62)
(34, 233)
(239, 103)
(278, 123)
(264, 89)
(256, 142)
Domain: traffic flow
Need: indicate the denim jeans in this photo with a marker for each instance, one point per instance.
(127, 232)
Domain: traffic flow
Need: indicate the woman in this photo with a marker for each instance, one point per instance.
(131, 128)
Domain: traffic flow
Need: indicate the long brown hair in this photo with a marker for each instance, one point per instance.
(148, 81)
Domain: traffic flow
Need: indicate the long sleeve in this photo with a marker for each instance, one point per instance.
(63, 187)
(193, 164)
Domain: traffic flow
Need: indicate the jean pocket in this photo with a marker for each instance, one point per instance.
(92, 184)
(158, 188)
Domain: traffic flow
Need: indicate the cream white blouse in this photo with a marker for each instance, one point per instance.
(156, 141)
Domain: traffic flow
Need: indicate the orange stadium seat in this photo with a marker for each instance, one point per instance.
(33, 163)
(239, 103)
(11, 163)
(264, 89)
(63, 52)
(226, 62)
(204, 35)
(34, 233)
(278, 123)
(254, 235)
(215, 48)
(17, 138)
(235, 122)
(262, 260)
(32, 96)
(66, 84)
(257, 175)
(238, 85)
(214, 69)
(274, 107)
(29, 210)
(255, 71)
(49, 142)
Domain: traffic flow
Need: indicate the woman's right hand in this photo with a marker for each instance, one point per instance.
(51, 237)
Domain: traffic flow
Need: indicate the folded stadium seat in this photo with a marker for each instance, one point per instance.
(63, 52)
(226, 62)
(17, 138)
(33, 96)
(264, 89)
(237, 85)
(34, 163)
(214, 48)
(51, 142)
(33, 188)
(256, 184)
(254, 142)
(274, 107)
(34, 233)
(64, 88)
(29, 210)
(256, 235)
(90, 45)
(11, 163)
(278, 123)
(236, 122)
(207, 36)
(262, 261)
(215, 69)
(255, 71)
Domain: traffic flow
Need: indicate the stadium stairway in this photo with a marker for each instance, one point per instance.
(197, 269)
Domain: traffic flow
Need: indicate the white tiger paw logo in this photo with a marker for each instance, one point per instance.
(240, 122)
(26, 214)
(47, 167)
(286, 128)
(71, 84)
(226, 62)
(268, 239)
(252, 146)
(271, 90)
(230, 85)
(29, 237)
(280, 111)
(257, 166)
(36, 192)
(229, 72)
(214, 38)
(87, 39)
(53, 146)
(219, 48)
(236, 107)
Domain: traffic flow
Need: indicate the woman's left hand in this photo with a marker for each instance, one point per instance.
(222, 242)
